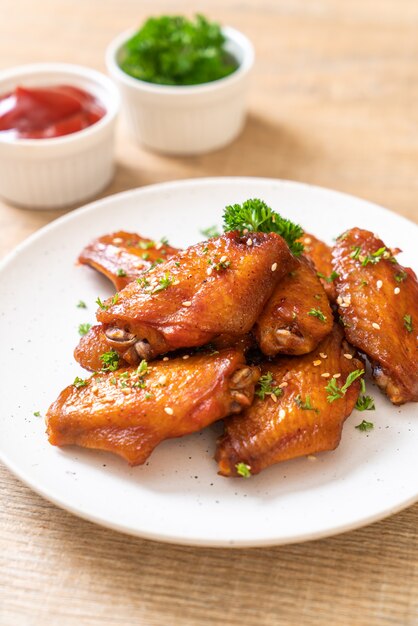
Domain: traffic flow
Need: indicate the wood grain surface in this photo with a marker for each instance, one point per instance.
(334, 102)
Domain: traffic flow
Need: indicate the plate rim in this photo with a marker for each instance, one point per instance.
(169, 537)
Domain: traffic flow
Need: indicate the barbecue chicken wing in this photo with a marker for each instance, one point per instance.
(320, 255)
(122, 256)
(297, 316)
(295, 417)
(214, 287)
(378, 305)
(129, 412)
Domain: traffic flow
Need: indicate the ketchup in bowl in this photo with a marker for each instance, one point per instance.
(45, 112)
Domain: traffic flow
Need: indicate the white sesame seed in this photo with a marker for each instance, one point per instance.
(176, 282)
(209, 271)
(186, 356)
(169, 410)
(323, 355)
(348, 356)
(396, 291)
(283, 385)
(139, 265)
(344, 305)
(125, 390)
(317, 362)
(117, 240)
(94, 389)
(311, 457)
(376, 326)
(162, 379)
(282, 413)
(339, 300)
(307, 240)
(186, 303)
(326, 375)
(379, 284)
(165, 358)
(283, 331)
(223, 259)
(273, 397)
(336, 375)
(249, 242)
(274, 267)
(158, 245)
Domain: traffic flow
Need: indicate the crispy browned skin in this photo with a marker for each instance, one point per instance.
(321, 256)
(374, 314)
(269, 432)
(124, 253)
(129, 414)
(215, 287)
(90, 349)
(287, 324)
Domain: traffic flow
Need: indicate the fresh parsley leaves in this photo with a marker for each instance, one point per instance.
(80, 382)
(83, 329)
(318, 313)
(365, 426)
(210, 232)
(305, 405)
(110, 361)
(335, 392)
(407, 322)
(243, 470)
(266, 387)
(365, 403)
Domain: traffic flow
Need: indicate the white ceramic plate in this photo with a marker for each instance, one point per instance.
(177, 496)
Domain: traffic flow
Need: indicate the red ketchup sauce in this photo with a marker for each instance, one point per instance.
(45, 112)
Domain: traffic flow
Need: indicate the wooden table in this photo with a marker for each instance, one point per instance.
(334, 102)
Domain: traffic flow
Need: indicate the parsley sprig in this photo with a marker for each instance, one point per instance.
(365, 403)
(110, 361)
(335, 392)
(212, 231)
(305, 405)
(266, 387)
(365, 426)
(328, 279)
(318, 313)
(83, 329)
(243, 470)
(255, 215)
(407, 322)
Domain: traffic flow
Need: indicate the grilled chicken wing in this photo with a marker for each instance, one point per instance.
(91, 348)
(131, 411)
(215, 287)
(319, 253)
(122, 256)
(295, 418)
(378, 305)
(297, 316)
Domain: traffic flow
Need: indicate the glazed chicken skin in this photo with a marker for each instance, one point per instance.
(378, 305)
(122, 257)
(297, 418)
(91, 348)
(320, 254)
(215, 287)
(297, 316)
(129, 412)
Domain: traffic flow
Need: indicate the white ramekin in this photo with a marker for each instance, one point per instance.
(185, 119)
(57, 172)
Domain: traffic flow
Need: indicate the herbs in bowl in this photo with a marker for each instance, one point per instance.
(175, 50)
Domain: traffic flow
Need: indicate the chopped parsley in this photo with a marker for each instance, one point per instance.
(306, 406)
(83, 329)
(318, 313)
(37, 414)
(373, 258)
(356, 252)
(145, 256)
(79, 382)
(210, 232)
(255, 215)
(146, 245)
(401, 276)
(407, 322)
(365, 403)
(81, 304)
(142, 368)
(143, 282)
(328, 279)
(115, 298)
(266, 387)
(120, 272)
(101, 304)
(110, 361)
(335, 392)
(365, 426)
(243, 470)
(164, 282)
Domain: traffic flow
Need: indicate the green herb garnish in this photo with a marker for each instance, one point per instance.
(306, 406)
(210, 232)
(365, 426)
(318, 313)
(335, 392)
(365, 403)
(120, 272)
(101, 304)
(243, 470)
(81, 304)
(328, 279)
(164, 282)
(255, 215)
(83, 329)
(407, 322)
(79, 382)
(110, 361)
(37, 413)
(266, 387)
(401, 276)
(175, 50)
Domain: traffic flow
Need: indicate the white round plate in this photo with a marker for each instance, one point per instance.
(177, 495)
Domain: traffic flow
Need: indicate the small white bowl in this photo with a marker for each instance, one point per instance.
(60, 171)
(189, 119)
